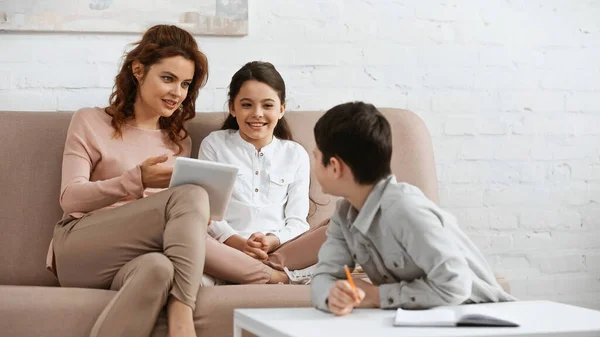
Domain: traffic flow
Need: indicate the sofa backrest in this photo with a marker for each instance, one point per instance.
(30, 173)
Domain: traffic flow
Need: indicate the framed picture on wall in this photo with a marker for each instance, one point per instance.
(199, 17)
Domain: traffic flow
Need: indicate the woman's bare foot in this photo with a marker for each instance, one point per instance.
(181, 319)
(277, 276)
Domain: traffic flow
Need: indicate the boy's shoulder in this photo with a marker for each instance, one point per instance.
(402, 196)
(401, 190)
(397, 198)
(409, 204)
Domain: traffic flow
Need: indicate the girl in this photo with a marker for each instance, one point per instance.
(270, 201)
(121, 229)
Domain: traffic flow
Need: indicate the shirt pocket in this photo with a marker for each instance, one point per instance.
(396, 262)
(401, 265)
(279, 183)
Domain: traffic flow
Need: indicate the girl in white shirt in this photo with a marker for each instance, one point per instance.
(270, 200)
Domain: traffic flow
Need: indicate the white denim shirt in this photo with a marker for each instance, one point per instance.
(270, 194)
(407, 245)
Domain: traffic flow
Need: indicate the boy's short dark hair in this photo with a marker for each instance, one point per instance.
(358, 134)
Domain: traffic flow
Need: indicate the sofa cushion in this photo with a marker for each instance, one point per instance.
(71, 312)
(215, 305)
(50, 311)
(30, 186)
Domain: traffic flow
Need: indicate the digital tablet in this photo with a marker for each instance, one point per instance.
(216, 178)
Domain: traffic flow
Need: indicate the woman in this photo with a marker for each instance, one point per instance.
(121, 229)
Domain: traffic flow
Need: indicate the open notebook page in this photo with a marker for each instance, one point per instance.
(453, 316)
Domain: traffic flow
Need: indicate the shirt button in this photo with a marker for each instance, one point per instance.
(256, 190)
(385, 277)
(260, 154)
(256, 172)
(282, 181)
(390, 300)
(412, 298)
(354, 256)
(395, 265)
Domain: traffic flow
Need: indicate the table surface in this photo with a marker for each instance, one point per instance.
(536, 318)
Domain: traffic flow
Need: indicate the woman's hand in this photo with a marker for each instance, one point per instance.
(155, 175)
(243, 245)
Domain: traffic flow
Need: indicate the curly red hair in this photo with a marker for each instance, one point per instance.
(157, 43)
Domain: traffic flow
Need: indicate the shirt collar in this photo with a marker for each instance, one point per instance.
(363, 220)
(266, 150)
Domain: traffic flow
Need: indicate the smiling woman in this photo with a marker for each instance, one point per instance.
(161, 90)
(162, 81)
(122, 229)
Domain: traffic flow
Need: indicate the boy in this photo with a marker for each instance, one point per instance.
(413, 252)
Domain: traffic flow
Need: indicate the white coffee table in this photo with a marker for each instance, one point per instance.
(536, 318)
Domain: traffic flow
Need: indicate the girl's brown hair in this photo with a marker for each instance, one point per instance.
(157, 43)
(266, 73)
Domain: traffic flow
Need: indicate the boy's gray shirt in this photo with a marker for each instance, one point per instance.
(410, 247)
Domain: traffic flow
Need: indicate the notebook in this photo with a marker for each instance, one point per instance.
(449, 316)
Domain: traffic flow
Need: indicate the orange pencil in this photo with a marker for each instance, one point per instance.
(351, 281)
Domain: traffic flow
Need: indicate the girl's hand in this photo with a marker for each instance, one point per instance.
(155, 175)
(267, 243)
(241, 244)
(342, 298)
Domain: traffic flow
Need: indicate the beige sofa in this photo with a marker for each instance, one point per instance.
(32, 304)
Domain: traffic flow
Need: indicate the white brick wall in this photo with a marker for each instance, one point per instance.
(513, 106)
